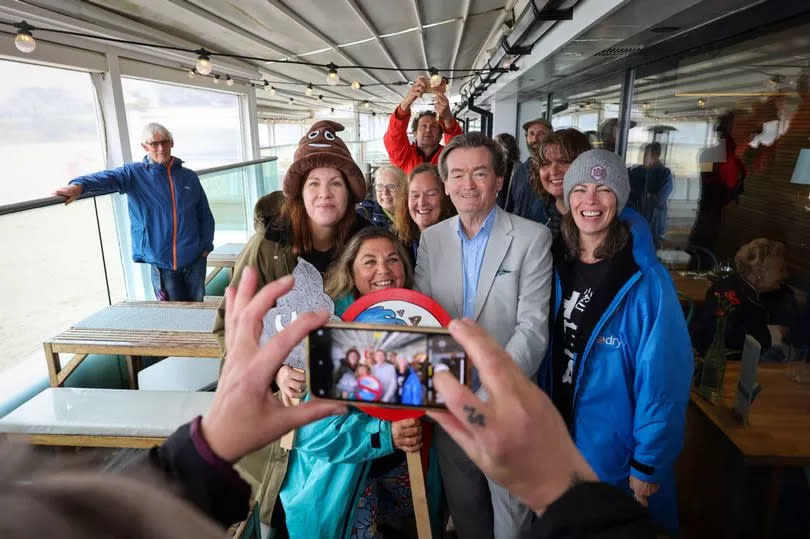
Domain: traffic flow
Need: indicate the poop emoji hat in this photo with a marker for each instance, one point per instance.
(321, 147)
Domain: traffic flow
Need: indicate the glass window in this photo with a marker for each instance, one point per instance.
(50, 131)
(205, 124)
(592, 107)
(719, 150)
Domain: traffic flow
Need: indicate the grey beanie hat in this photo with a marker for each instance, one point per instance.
(598, 166)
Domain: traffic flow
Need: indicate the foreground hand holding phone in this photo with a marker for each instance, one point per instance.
(517, 437)
(245, 415)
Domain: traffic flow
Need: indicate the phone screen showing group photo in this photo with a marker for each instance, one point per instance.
(383, 366)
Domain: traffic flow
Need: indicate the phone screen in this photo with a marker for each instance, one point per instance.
(382, 364)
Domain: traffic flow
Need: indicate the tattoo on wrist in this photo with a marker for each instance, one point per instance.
(474, 417)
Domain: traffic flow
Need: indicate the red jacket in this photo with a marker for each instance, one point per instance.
(401, 152)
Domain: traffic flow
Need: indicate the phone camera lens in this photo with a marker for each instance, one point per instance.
(320, 332)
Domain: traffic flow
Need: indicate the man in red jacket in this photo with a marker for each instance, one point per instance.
(427, 128)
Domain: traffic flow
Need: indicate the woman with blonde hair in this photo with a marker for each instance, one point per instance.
(422, 203)
(388, 183)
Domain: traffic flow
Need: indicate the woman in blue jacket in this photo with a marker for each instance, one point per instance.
(620, 361)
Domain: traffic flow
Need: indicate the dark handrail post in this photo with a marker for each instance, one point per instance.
(625, 110)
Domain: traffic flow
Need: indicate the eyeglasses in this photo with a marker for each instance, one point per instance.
(157, 143)
(392, 187)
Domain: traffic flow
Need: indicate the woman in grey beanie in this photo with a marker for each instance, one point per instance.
(619, 359)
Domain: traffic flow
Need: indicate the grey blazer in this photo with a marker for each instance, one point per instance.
(514, 286)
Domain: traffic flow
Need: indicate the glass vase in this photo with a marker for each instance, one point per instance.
(714, 364)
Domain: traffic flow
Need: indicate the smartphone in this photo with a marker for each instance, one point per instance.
(382, 364)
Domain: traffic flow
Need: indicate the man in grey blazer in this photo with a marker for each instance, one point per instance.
(495, 268)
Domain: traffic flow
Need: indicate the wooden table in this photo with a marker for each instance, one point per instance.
(131, 343)
(222, 257)
(693, 287)
(730, 475)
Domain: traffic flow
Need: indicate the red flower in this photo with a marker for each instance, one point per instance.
(731, 296)
(726, 303)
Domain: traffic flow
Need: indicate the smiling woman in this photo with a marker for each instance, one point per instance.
(616, 318)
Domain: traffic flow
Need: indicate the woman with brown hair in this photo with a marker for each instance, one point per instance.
(422, 203)
(373, 260)
(553, 158)
(618, 339)
(316, 220)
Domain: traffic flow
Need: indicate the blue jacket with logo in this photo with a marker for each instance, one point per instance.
(168, 210)
(632, 387)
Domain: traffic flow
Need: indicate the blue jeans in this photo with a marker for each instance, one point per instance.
(183, 284)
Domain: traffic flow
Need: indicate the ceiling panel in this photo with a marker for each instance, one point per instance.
(388, 18)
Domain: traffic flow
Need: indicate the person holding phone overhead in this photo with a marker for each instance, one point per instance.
(427, 127)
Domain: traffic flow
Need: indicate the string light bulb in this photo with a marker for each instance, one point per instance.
(367, 104)
(192, 72)
(701, 103)
(228, 80)
(332, 77)
(435, 78)
(216, 79)
(320, 97)
(291, 101)
(24, 41)
(356, 85)
(309, 89)
(272, 91)
(204, 65)
(332, 111)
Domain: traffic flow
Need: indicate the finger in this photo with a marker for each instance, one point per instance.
(412, 448)
(292, 417)
(408, 431)
(230, 293)
(297, 376)
(641, 499)
(244, 290)
(273, 353)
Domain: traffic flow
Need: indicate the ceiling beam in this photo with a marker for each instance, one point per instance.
(317, 33)
(415, 4)
(460, 36)
(370, 27)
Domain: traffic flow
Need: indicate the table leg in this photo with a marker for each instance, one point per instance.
(133, 367)
(52, 360)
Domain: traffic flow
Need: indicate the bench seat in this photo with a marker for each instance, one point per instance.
(103, 417)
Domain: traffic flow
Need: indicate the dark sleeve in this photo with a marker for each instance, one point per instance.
(203, 478)
(594, 511)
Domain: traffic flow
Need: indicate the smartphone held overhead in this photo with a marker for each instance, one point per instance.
(382, 365)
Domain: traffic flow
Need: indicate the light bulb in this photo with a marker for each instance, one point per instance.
(292, 101)
(309, 89)
(332, 77)
(272, 91)
(216, 79)
(25, 41)
(204, 65)
(701, 103)
(320, 97)
(373, 113)
(228, 80)
(367, 104)
(191, 73)
(332, 111)
(356, 84)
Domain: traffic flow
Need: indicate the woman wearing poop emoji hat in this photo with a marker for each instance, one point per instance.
(317, 215)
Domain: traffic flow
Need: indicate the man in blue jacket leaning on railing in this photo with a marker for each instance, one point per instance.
(172, 225)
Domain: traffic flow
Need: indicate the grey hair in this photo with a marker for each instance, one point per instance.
(474, 139)
(152, 129)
